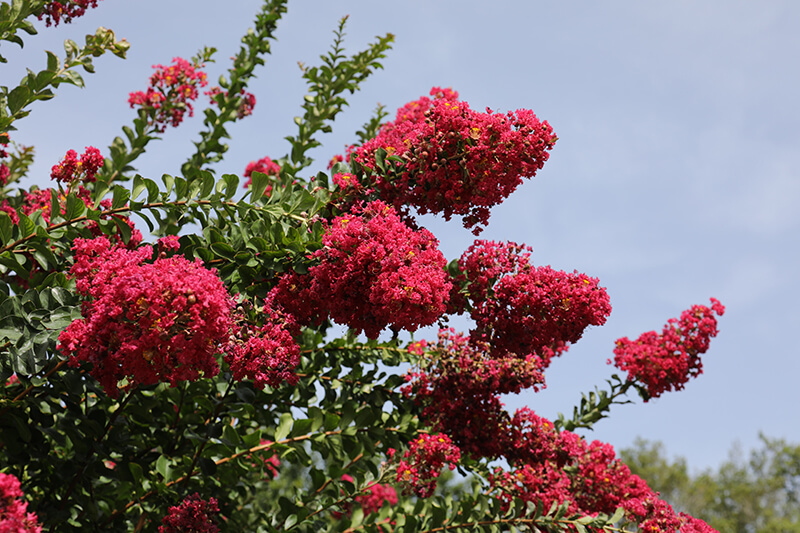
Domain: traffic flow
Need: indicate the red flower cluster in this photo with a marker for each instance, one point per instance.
(145, 322)
(666, 361)
(457, 161)
(265, 165)
(552, 467)
(14, 515)
(374, 271)
(72, 169)
(4, 170)
(373, 497)
(267, 354)
(65, 10)
(520, 309)
(459, 391)
(271, 462)
(193, 514)
(246, 104)
(422, 463)
(171, 92)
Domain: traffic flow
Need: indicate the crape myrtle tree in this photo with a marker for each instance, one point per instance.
(187, 380)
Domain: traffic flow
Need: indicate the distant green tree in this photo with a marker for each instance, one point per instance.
(755, 494)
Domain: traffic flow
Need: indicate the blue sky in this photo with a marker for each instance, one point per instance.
(676, 176)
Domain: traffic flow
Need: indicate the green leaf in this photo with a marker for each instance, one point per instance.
(138, 187)
(284, 427)
(231, 185)
(121, 197)
(26, 225)
(163, 467)
(208, 184)
(169, 182)
(18, 98)
(75, 207)
(258, 185)
(6, 228)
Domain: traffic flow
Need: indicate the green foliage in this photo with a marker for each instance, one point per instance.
(37, 86)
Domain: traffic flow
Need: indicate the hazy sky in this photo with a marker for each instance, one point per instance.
(675, 177)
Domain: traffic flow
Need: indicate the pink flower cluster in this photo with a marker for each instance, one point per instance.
(172, 90)
(5, 172)
(193, 514)
(246, 105)
(14, 515)
(520, 309)
(373, 497)
(548, 466)
(265, 165)
(666, 361)
(72, 169)
(456, 160)
(65, 10)
(459, 391)
(145, 322)
(267, 354)
(422, 463)
(374, 271)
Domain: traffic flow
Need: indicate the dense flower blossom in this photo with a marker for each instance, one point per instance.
(144, 322)
(193, 515)
(65, 10)
(172, 90)
(549, 467)
(14, 515)
(374, 271)
(456, 161)
(666, 361)
(72, 169)
(265, 165)
(521, 309)
(246, 104)
(268, 353)
(422, 463)
(459, 390)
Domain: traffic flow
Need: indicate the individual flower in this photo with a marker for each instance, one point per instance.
(666, 361)
(144, 322)
(65, 10)
(456, 161)
(193, 515)
(14, 515)
(172, 90)
(72, 169)
(422, 463)
(373, 272)
(265, 165)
